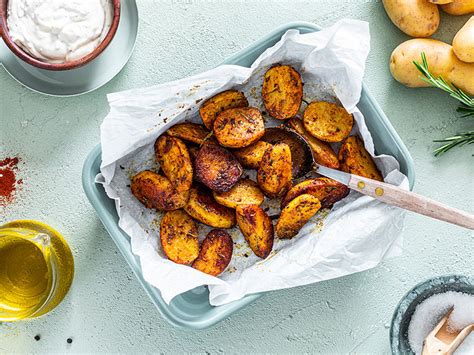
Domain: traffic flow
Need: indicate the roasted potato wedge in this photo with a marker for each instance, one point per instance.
(296, 214)
(282, 91)
(156, 191)
(217, 168)
(322, 151)
(220, 102)
(179, 237)
(190, 132)
(173, 156)
(215, 253)
(274, 174)
(239, 127)
(327, 121)
(257, 229)
(251, 156)
(202, 206)
(244, 192)
(354, 159)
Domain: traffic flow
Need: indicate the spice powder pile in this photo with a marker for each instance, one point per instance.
(8, 180)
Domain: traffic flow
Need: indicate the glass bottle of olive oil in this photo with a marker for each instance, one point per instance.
(36, 269)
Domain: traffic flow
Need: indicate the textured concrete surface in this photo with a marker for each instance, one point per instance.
(106, 309)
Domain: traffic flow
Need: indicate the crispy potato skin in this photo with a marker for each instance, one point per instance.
(190, 132)
(459, 7)
(327, 121)
(282, 91)
(220, 102)
(463, 42)
(275, 171)
(354, 159)
(239, 127)
(205, 209)
(327, 191)
(244, 192)
(257, 229)
(215, 253)
(322, 151)
(217, 168)
(179, 237)
(296, 214)
(251, 156)
(156, 191)
(173, 157)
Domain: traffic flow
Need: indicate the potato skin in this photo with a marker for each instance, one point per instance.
(463, 42)
(295, 215)
(220, 102)
(274, 174)
(244, 192)
(239, 127)
(251, 156)
(257, 229)
(179, 237)
(217, 168)
(215, 254)
(459, 7)
(190, 132)
(354, 159)
(202, 207)
(282, 91)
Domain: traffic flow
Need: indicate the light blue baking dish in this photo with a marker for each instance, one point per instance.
(192, 310)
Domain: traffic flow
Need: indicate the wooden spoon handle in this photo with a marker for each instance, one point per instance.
(411, 201)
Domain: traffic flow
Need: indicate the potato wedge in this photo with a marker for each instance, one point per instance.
(173, 157)
(296, 214)
(282, 91)
(220, 102)
(239, 127)
(327, 121)
(251, 156)
(179, 237)
(215, 253)
(244, 192)
(156, 191)
(190, 132)
(354, 159)
(257, 229)
(275, 171)
(205, 209)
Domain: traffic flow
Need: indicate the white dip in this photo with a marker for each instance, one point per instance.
(58, 31)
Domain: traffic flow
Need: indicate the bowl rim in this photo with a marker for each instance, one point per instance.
(29, 59)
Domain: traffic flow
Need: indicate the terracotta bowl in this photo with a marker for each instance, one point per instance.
(28, 58)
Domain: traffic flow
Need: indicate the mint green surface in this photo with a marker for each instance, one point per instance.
(106, 309)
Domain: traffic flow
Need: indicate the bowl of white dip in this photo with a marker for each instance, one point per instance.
(58, 34)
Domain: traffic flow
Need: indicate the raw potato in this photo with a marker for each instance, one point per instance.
(239, 127)
(441, 60)
(205, 209)
(275, 172)
(282, 91)
(220, 102)
(355, 159)
(191, 132)
(257, 229)
(251, 156)
(322, 151)
(244, 192)
(179, 237)
(296, 214)
(463, 42)
(417, 18)
(327, 121)
(215, 253)
(156, 191)
(173, 157)
(459, 7)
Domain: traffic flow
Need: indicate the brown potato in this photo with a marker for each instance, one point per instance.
(215, 253)
(179, 237)
(190, 132)
(274, 174)
(156, 191)
(173, 157)
(327, 121)
(282, 91)
(257, 229)
(217, 168)
(205, 209)
(354, 159)
(220, 102)
(296, 214)
(239, 127)
(244, 192)
(251, 156)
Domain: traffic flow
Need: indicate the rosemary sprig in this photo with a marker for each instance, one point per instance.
(451, 142)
